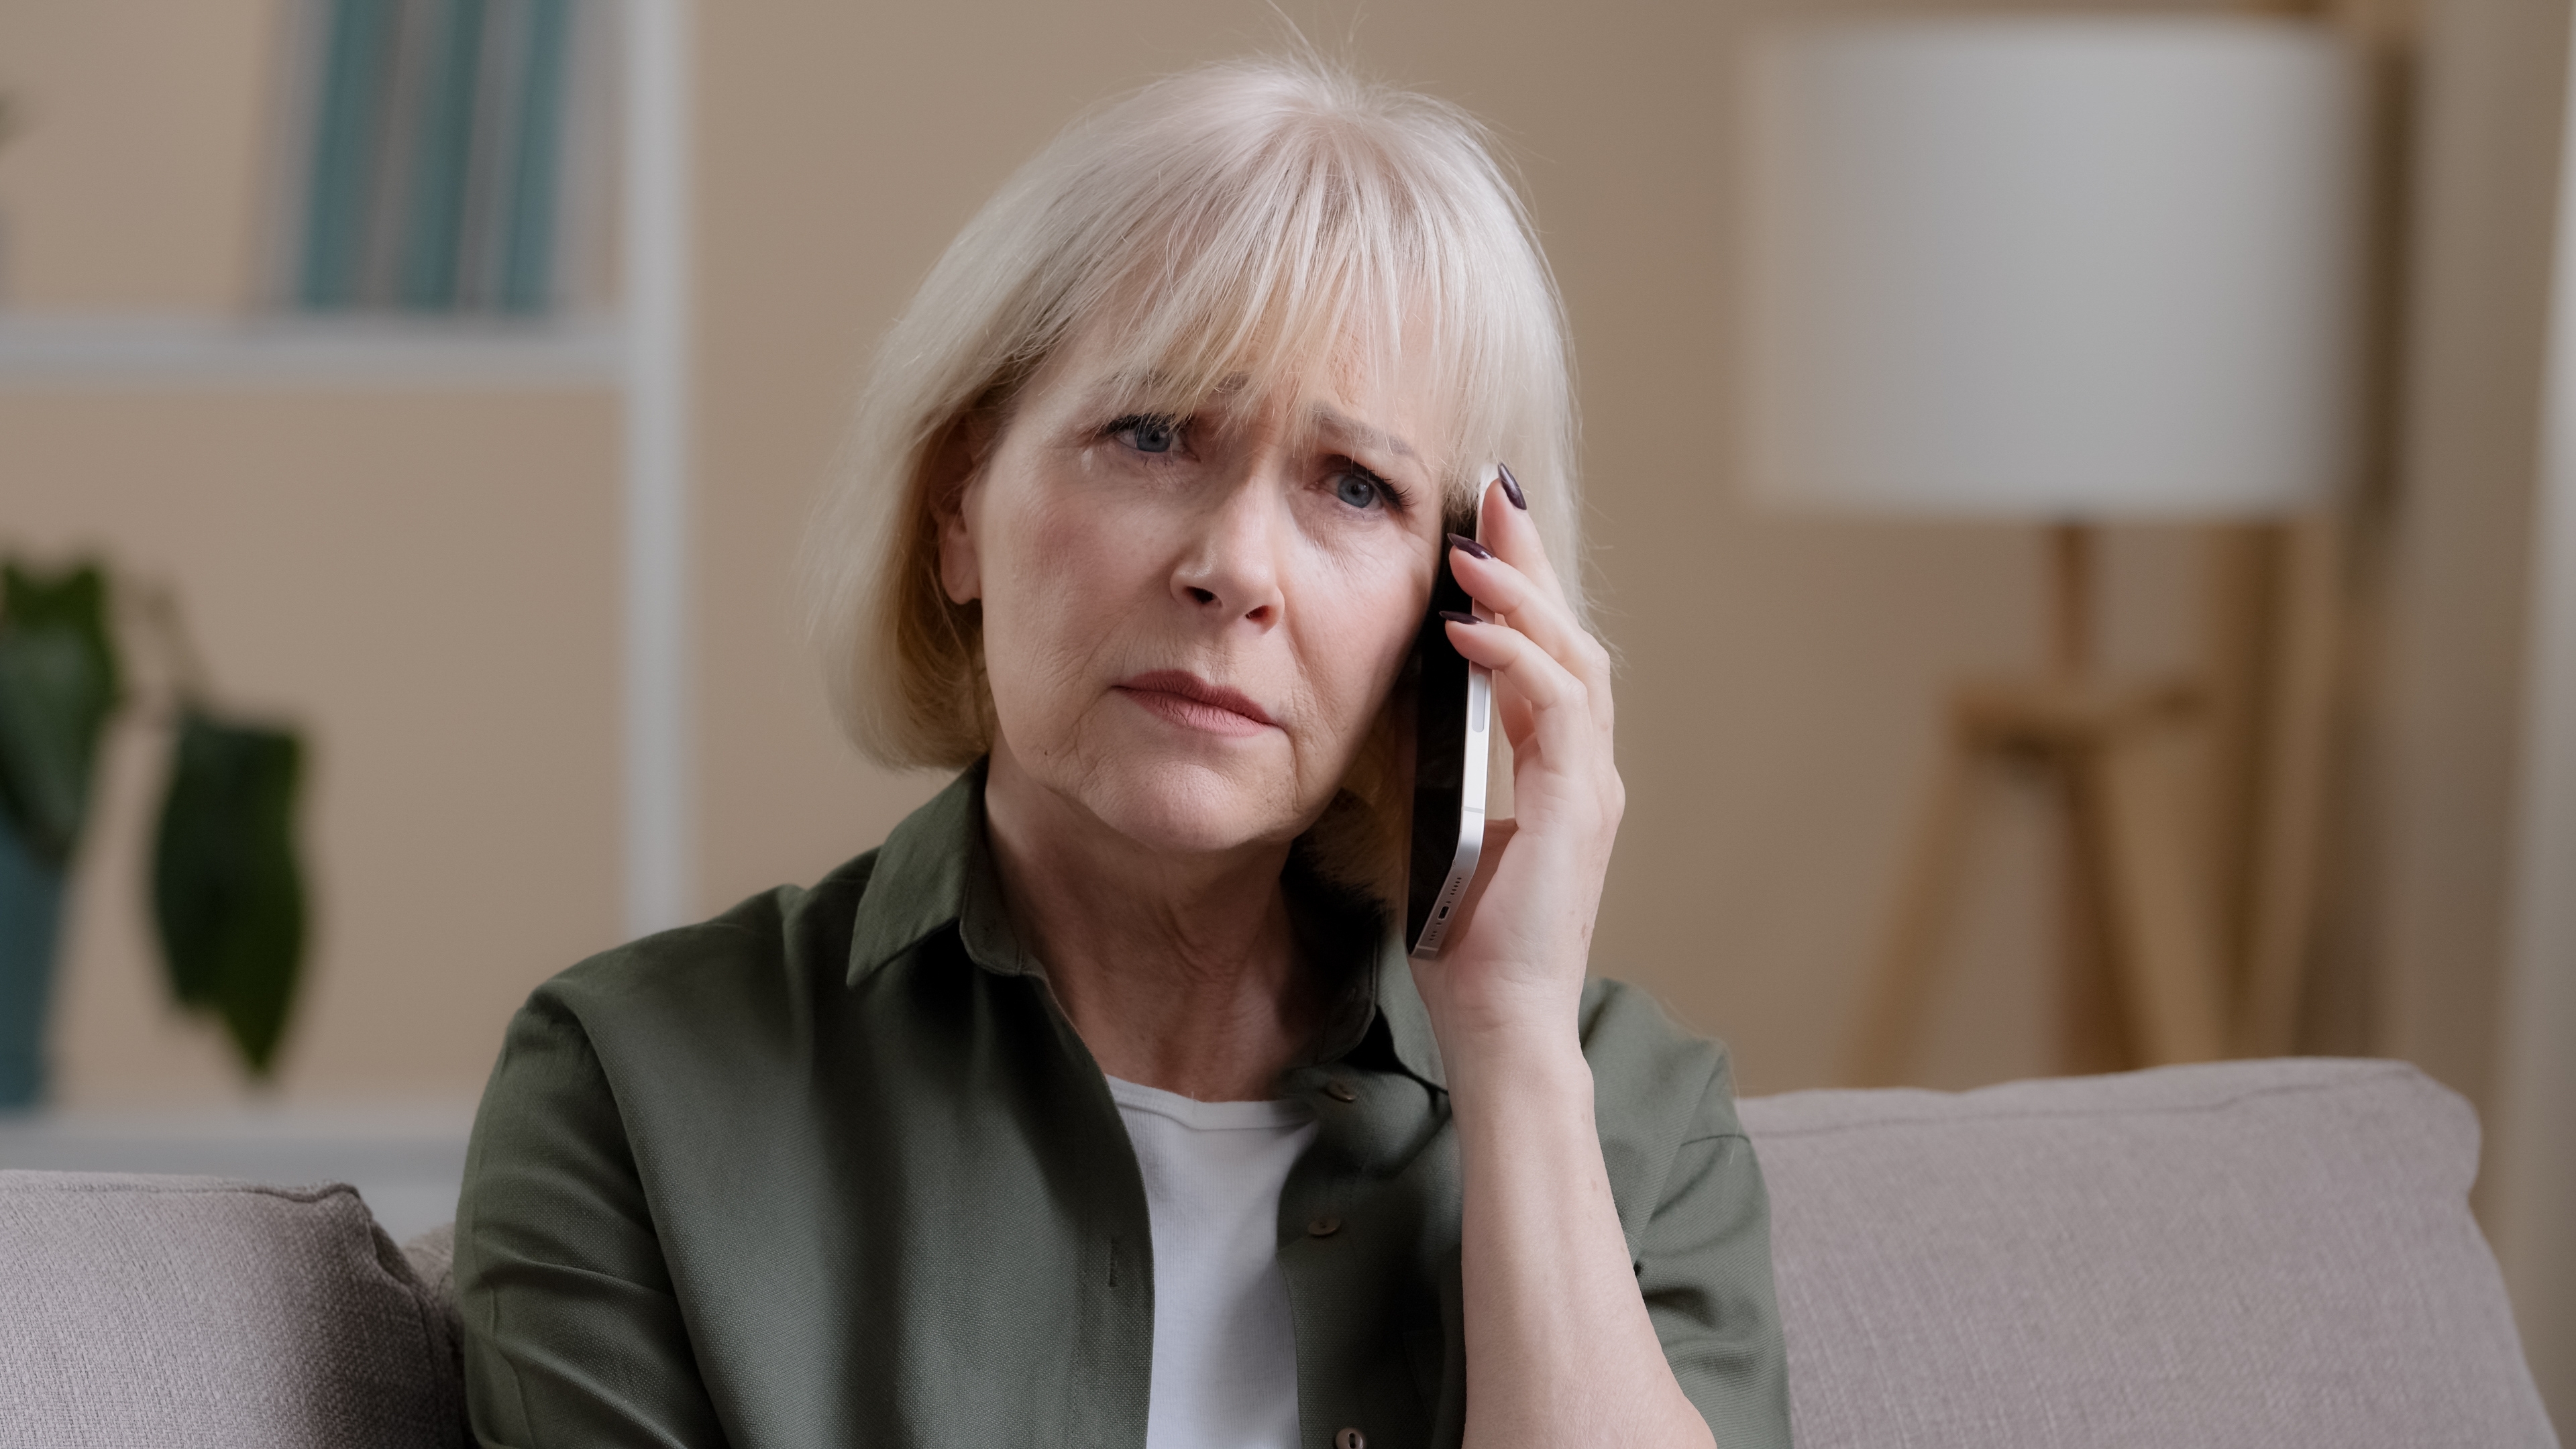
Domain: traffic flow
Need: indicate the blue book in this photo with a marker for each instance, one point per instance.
(433, 206)
(533, 173)
(437, 155)
(348, 125)
(495, 86)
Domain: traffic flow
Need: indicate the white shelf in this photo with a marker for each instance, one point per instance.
(139, 351)
(641, 354)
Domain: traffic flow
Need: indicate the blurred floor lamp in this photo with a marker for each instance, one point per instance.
(2077, 271)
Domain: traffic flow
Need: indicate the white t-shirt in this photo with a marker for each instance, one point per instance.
(1225, 1348)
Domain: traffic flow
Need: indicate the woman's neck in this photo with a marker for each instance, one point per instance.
(1179, 972)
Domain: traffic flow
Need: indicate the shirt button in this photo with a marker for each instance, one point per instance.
(1350, 1439)
(1340, 1091)
(1325, 1228)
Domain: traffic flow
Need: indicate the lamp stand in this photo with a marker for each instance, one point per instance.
(2140, 919)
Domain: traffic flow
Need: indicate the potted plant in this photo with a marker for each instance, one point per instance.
(228, 902)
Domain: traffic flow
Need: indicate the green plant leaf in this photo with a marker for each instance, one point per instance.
(58, 685)
(227, 892)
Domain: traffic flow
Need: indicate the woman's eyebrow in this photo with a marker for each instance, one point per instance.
(1338, 424)
(1155, 382)
(1117, 389)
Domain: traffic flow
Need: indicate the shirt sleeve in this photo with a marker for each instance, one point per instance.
(573, 1335)
(1704, 1265)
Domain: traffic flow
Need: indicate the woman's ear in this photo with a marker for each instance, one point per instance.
(957, 473)
(961, 574)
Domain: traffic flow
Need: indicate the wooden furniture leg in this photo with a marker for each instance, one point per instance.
(1902, 978)
(2238, 659)
(2093, 1028)
(2290, 845)
(2165, 950)
(2152, 949)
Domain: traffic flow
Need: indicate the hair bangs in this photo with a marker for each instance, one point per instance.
(1243, 234)
(1269, 265)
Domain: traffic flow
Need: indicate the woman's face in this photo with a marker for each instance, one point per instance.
(1191, 623)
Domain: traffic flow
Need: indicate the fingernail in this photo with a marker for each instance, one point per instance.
(1469, 546)
(1454, 617)
(1512, 487)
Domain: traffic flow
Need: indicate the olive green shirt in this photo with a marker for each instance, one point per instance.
(833, 1169)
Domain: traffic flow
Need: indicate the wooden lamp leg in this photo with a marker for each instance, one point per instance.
(2141, 908)
(2070, 599)
(2164, 942)
(2288, 856)
(1903, 976)
(2094, 1034)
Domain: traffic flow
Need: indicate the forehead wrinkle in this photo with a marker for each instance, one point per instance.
(1165, 386)
(1336, 423)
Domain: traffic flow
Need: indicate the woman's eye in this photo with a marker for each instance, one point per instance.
(1357, 489)
(1151, 435)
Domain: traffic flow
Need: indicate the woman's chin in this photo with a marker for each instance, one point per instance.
(1192, 807)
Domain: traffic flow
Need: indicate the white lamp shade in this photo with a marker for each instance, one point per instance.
(2075, 268)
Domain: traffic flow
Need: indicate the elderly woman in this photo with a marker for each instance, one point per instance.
(1100, 1104)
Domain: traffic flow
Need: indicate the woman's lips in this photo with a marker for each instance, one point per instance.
(1187, 700)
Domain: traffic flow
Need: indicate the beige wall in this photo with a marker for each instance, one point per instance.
(2491, 94)
(425, 584)
(2485, 161)
(429, 581)
(137, 178)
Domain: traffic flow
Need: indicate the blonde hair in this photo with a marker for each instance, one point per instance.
(1230, 227)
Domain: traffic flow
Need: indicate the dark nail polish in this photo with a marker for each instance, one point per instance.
(1512, 487)
(1469, 546)
(1454, 617)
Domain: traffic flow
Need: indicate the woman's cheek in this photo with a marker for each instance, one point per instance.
(1376, 602)
(1077, 574)
(1050, 571)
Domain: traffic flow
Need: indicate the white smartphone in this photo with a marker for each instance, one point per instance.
(1452, 749)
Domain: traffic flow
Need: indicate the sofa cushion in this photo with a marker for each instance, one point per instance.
(2251, 1253)
(176, 1310)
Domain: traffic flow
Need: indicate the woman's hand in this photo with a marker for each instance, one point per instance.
(1560, 1348)
(1508, 981)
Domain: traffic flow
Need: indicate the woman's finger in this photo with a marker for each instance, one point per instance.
(1508, 529)
(1533, 607)
(1507, 532)
(1561, 703)
(1538, 612)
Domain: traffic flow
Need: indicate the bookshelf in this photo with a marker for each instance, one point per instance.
(319, 353)
(637, 349)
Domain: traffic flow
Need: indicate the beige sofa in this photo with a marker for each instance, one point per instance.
(2273, 1254)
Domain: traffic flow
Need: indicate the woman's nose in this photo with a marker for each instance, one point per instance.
(1231, 568)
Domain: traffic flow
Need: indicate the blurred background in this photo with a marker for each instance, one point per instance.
(503, 536)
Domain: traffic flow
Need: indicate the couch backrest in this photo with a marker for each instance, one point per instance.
(2250, 1253)
(189, 1311)
(2273, 1254)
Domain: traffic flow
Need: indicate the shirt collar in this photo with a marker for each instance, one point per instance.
(936, 870)
(1407, 1020)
